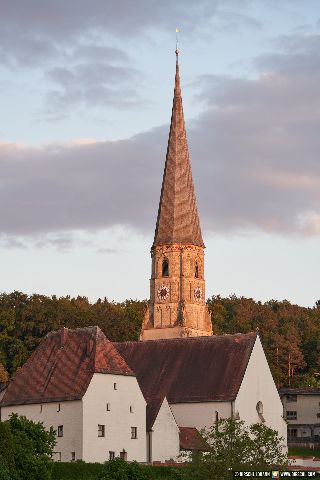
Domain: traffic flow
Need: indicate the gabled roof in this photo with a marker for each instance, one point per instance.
(190, 439)
(193, 369)
(178, 219)
(62, 367)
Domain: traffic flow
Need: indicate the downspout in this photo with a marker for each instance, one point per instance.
(149, 447)
(232, 409)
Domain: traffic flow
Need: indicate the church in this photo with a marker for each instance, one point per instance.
(147, 400)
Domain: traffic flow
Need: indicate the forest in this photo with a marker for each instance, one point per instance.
(290, 334)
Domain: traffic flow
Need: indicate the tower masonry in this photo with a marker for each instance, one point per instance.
(177, 287)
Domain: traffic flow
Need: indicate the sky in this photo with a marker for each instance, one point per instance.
(85, 102)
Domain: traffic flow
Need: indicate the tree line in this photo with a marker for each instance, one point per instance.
(290, 334)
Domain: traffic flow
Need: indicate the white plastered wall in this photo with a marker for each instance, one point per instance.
(118, 421)
(307, 408)
(165, 435)
(70, 416)
(258, 385)
(200, 415)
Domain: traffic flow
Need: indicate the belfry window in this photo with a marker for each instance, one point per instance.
(165, 268)
(196, 271)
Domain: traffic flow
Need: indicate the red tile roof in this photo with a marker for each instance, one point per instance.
(198, 369)
(62, 366)
(190, 439)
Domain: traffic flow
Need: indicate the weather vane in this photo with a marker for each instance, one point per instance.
(177, 40)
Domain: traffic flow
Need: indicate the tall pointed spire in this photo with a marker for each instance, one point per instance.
(178, 220)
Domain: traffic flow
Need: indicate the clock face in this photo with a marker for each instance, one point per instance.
(197, 293)
(163, 292)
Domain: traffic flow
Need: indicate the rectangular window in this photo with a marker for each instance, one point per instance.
(291, 415)
(58, 407)
(292, 432)
(108, 407)
(131, 409)
(111, 455)
(123, 455)
(291, 398)
(114, 386)
(41, 408)
(134, 432)
(60, 430)
(101, 430)
(73, 456)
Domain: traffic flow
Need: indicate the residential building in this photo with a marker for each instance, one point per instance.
(301, 409)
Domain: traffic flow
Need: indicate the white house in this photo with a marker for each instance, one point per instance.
(207, 378)
(302, 411)
(77, 382)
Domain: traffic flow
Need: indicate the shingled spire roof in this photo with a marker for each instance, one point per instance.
(178, 220)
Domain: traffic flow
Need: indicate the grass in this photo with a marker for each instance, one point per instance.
(304, 451)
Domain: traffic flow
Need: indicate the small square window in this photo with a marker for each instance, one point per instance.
(112, 455)
(134, 432)
(108, 407)
(60, 430)
(73, 456)
(291, 398)
(114, 386)
(101, 430)
(131, 409)
(291, 415)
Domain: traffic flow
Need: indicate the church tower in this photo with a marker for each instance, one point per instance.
(177, 286)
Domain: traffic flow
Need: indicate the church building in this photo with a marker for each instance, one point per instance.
(147, 400)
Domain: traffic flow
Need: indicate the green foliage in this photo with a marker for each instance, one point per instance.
(76, 471)
(5, 473)
(7, 452)
(32, 446)
(96, 471)
(118, 469)
(233, 446)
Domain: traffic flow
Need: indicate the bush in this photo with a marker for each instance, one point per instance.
(118, 469)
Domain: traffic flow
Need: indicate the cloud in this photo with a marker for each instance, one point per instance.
(255, 156)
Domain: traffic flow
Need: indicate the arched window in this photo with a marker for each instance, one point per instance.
(165, 268)
(196, 271)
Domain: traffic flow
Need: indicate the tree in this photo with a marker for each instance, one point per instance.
(4, 377)
(7, 462)
(26, 449)
(233, 446)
